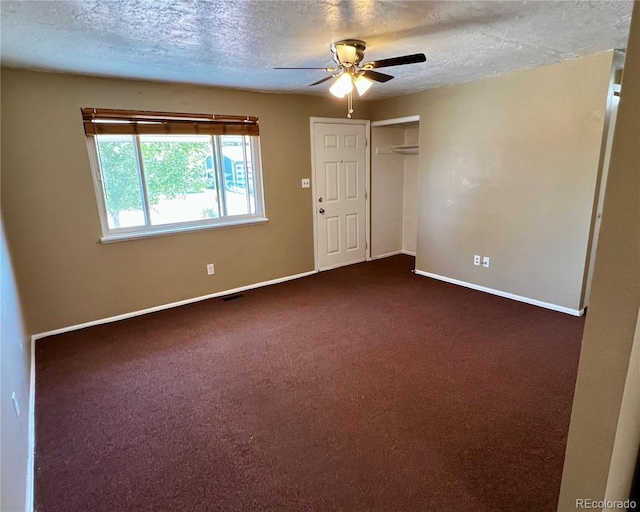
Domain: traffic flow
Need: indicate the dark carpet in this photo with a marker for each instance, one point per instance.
(362, 388)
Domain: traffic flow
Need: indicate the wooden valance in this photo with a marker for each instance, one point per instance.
(100, 121)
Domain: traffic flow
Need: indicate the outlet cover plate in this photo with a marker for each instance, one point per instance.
(306, 183)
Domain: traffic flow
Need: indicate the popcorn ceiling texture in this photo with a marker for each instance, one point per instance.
(237, 44)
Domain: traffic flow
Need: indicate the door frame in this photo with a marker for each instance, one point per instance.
(617, 67)
(395, 122)
(330, 120)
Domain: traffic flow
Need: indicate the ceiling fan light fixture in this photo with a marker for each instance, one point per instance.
(362, 84)
(346, 53)
(350, 70)
(342, 86)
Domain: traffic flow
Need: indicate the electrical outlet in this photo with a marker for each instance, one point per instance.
(210, 269)
(485, 262)
(14, 399)
(476, 259)
(306, 183)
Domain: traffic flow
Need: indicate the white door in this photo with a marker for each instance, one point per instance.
(340, 199)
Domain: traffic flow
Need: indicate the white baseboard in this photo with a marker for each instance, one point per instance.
(29, 502)
(500, 293)
(29, 505)
(169, 306)
(387, 254)
(338, 265)
(393, 253)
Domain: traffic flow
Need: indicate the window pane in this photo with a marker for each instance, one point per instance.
(165, 180)
(238, 174)
(180, 178)
(121, 183)
(251, 185)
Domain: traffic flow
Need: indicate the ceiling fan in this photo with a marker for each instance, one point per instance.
(351, 72)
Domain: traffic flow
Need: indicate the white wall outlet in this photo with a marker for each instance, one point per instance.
(14, 399)
(476, 259)
(306, 183)
(485, 262)
(210, 270)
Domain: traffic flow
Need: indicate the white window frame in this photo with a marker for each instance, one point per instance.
(136, 232)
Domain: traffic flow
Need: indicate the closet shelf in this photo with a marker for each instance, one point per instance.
(403, 149)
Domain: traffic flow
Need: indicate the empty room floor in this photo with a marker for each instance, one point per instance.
(361, 388)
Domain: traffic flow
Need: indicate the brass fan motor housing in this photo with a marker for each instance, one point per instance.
(348, 53)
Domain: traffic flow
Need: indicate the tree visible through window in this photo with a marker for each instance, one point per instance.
(176, 180)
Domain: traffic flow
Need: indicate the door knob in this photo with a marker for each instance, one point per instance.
(321, 210)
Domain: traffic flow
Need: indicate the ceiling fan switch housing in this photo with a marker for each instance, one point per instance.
(348, 52)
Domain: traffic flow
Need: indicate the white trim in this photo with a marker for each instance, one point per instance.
(394, 253)
(499, 293)
(169, 306)
(367, 180)
(313, 120)
(331, 267)
(397, 120)
(367, 125)
(389, 122)
(337, 120)
(94, 164)
(136, 232)
(387, 254)
(31, 432)
(174, 229)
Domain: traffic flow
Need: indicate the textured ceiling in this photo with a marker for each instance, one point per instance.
(238, 43)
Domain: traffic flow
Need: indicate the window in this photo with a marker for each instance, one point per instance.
(158, 173)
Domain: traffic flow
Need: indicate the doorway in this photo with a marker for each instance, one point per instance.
(394, 186)
(340, 176)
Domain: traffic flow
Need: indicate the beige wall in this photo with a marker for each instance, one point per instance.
(65, 275)
(508, 169)
(15, 362)
(627, 439)
(600, 418)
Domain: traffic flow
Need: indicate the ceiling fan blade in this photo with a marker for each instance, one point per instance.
(378, 77)
(321, 81)
(302, 68)
(398, 61)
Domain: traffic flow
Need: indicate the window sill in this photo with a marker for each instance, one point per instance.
(173, 230)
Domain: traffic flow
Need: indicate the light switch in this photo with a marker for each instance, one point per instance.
(305, 183)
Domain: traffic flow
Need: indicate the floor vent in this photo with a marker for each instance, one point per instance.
(232, 297)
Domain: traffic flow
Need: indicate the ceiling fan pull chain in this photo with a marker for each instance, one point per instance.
(349, 105)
